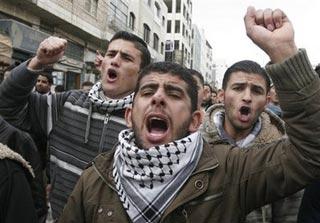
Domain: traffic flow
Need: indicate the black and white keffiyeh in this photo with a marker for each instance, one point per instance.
(107, 104)
(148, 180)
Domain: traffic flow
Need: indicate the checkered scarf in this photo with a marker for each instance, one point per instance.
(243, 143)
(148, 180)
(106, 104)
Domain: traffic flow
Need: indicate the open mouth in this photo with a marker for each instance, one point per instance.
(244, 110)
(112, 74)
(157, 125)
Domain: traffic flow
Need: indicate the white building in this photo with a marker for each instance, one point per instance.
(147, 19)
(179, 24)
(202, 55)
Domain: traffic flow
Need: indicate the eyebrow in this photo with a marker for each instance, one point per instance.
(245, 83)
(123, 54)
(173, 87)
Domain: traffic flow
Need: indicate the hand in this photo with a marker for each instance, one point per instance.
(98, 60)
(49, 52)
(272, 31)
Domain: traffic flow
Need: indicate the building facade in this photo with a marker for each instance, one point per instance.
(179, 26)
(148, 19)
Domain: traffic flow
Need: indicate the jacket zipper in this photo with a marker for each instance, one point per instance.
(105, 122)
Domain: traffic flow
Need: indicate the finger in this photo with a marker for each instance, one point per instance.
(259, 17)
(249, 19)
(268, 19)
(278, 17)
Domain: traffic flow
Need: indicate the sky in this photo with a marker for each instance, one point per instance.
(222, 21)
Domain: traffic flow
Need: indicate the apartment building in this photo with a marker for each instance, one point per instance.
(179, 26)
(148, 19)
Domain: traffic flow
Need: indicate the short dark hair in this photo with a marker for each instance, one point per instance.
(138, 43)
(173, 69)
(207, 84)
(59, 88)
(87, 83)
(197, 74)
(247, 66)
(48, 75)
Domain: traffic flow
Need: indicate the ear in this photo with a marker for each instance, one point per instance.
(196, 121)
(128, 117)
(220, 96)
(268, 98)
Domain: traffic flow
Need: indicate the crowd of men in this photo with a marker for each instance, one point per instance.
(151, 142)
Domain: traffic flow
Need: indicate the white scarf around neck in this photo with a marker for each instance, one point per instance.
(108, 104)
(148, 180)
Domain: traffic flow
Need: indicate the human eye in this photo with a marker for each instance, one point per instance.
(146, 91)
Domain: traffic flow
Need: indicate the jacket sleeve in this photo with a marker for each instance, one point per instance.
(23, 108)
(278, 169)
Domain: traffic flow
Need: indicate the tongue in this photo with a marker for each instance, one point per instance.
(244, 118)
(157, 131)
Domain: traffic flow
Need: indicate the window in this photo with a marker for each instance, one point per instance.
(91, 6)
(163, 20)
(176, 44)
(169, 5)
(155, 42)
(183, 29)
(184, 10)
(178, 6)
(149, 2)
(146, 33)
(169, 26)
(132, 19)
(162, 46)
(177, 26)
(156, 4)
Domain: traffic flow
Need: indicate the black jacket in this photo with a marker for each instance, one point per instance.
(16, 203)
(21, 143)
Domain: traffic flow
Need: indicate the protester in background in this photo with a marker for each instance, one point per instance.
(206, 100)
(44, 82)
(16, 203)
(86, 86)
(242, 121)
(84, 125)
(214, 95)
(274, 102)
(59, 88)
(20, 142)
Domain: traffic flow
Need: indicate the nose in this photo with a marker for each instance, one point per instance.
(247, 95)
(158, 98)
(115, 61)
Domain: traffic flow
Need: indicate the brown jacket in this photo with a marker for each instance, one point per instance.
(272, 129)
(228, 182)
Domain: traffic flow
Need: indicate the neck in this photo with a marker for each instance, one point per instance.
(234, 133)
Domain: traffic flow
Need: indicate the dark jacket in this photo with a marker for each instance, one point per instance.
(310, 206)
(21, 143)
(228, 182)
(16, 203)
(80, 129)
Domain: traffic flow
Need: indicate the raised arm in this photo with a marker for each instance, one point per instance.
(282, 168)
(17, 102)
